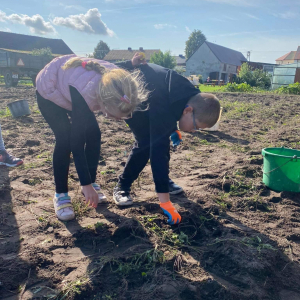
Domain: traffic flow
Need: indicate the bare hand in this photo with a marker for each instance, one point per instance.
(91, 196)
(139, 58)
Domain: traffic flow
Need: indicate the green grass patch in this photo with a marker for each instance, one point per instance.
(237, 109)
(231, 88)
(4, 113)
(291, 89)
(211, 89)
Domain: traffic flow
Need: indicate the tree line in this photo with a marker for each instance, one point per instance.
(165, 59)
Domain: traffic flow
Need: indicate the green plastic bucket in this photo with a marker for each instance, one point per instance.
(281, 170)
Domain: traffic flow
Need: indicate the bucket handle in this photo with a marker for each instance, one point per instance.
(294, 157)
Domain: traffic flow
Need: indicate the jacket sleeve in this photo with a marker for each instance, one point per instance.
(127, 65)
(80, 116)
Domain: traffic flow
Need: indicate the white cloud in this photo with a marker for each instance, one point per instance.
(74, 7)
(230, 18)
(287, 15)
(10, 10)
(2, 16)
(162, 26)
(36, 23)
(266, 48)
(252, 16)
(90, 23)
(6, 29)
(217, 20)
(235, 2)
(248, 33)
(188, 29)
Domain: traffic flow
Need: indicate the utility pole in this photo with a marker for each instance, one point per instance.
(248, 55)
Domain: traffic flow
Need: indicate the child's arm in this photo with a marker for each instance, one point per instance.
(126, 65)
(129, 65)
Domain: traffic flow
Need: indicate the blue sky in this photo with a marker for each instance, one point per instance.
(267, 28)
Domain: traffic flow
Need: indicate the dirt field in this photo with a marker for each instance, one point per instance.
(238, 240)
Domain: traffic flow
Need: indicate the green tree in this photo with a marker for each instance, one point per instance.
(196, 39)
(180, 70)
(257, 77)
(101, 50)
(245, 75)
(163, 59)
(262, 79)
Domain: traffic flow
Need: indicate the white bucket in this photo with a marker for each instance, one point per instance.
(217, 125)
(19, 108)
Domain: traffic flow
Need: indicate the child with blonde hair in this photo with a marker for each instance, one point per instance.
(69, 89)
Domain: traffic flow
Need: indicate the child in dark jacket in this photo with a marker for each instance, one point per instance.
(172, 98)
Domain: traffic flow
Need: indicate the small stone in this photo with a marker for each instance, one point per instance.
(192, 288)
(50, 229)
(168, 290)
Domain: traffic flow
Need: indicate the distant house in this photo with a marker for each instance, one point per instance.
(180, 60)
(119, 55)
(289, 58)
(26, 43)
(214, 61)
(269, 68)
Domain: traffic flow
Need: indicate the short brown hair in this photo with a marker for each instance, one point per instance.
(206, 108)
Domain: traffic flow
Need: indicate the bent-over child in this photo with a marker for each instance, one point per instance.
(172, 99)
(69, 89)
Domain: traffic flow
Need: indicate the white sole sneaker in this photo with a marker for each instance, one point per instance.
(64, 211)
(101, 197)
(176, 191)
(126, 202)
(10, 165)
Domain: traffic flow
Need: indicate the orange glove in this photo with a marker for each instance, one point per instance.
(171, 212)
(176, 138)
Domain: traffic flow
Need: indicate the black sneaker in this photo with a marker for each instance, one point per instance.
(122, 198)
(9, 160)
(174, 189)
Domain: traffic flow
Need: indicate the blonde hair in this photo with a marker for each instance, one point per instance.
(90, 65)
(114, 85)
(206, 108)
(117, 83)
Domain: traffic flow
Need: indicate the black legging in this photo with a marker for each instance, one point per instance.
(82, 137)
(140, 153)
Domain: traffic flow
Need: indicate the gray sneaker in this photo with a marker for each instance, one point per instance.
(122, 198)
(174, 189)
